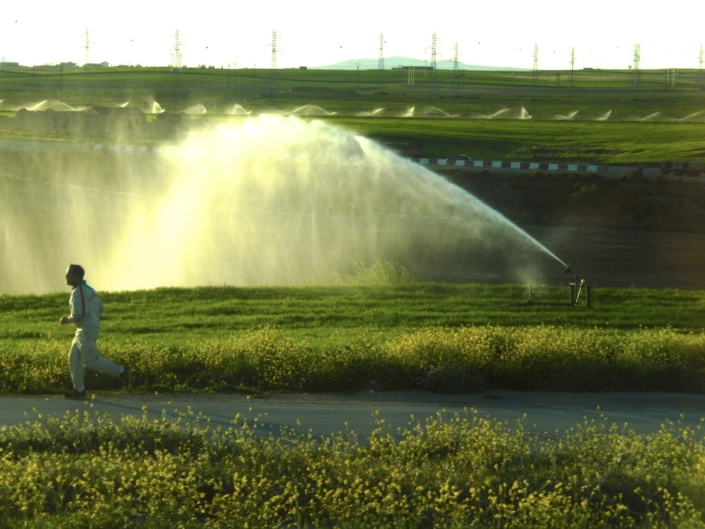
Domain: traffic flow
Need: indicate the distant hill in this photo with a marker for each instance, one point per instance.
(395, 62)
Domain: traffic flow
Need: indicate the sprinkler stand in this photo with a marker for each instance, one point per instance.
(576, 288)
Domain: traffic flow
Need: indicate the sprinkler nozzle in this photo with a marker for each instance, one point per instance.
(568, 269)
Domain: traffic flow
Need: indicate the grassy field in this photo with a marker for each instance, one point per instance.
(578, 142)
(405, 336)
(466, 94)
(549, 141)
(650, 124)
(378, 330)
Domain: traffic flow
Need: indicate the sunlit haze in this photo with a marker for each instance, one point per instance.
(239, 34)
(285, 202)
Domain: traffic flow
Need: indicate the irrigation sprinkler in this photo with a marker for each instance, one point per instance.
(575, 289)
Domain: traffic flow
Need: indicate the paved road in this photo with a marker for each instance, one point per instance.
(325, 414)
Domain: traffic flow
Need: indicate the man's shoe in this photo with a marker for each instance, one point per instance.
(75, 394)
(126, 375)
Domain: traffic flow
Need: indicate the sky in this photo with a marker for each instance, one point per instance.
(315, 33)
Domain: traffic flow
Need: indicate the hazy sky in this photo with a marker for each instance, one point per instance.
(496, 33)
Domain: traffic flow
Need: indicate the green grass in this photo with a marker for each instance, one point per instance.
(531, 140)
(459, 471)
(608, 142)
(404, 336)
(623, 139)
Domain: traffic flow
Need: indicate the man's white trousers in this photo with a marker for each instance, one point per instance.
(84, 353)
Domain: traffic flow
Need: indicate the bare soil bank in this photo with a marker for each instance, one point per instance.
(619, 233)
(589, 200)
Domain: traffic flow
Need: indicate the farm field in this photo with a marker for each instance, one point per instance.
(512, 140)
(598, 117)
(380, 328)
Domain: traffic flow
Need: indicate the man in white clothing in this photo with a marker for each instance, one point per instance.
(86, 308)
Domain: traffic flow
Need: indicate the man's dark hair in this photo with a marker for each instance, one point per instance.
(77, 269)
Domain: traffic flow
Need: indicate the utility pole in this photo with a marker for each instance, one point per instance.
(700, 66)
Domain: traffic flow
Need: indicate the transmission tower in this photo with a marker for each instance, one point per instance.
(176, 52)
(637, 64)
(433, 54)
(86, 48)
(380, 63)
(273, 63)
(275, 50)
(536, 62)
(572, 66)
(456, 65)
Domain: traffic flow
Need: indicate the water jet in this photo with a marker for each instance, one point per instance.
(604, 117)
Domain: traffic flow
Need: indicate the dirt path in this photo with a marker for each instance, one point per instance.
(324, 414)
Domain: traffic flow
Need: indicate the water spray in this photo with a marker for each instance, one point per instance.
(264, 201)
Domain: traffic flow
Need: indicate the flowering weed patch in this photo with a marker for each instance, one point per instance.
(465, 359)
(459, 471)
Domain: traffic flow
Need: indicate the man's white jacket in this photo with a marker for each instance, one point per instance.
(86, 308)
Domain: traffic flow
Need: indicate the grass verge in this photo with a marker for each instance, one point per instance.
(457, 338)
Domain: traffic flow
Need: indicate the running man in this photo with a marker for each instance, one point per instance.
(86, 308)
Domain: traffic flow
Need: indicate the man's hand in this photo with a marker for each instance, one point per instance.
(64, 320)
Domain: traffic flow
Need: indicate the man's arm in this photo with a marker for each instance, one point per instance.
(77, 303)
